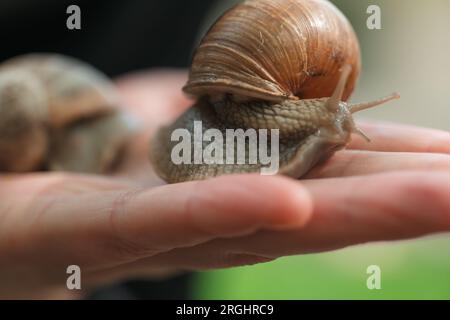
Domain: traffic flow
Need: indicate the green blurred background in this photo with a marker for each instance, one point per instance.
(411, 55)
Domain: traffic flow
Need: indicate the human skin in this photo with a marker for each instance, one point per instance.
(131, 224)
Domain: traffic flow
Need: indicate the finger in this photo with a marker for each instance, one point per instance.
(347, 212)
(392, 137)
(33, 183)
(355, 162)
(109, 227)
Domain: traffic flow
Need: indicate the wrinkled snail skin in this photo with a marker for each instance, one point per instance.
(310, 130)
(82, 129)
(271, 64)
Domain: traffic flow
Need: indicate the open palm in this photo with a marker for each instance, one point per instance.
(132, 224)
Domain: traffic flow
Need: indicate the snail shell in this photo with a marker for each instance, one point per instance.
(271, 64)
(277, 49)
(23, 112)
(94, 145)
(74, 89)
(81, 113)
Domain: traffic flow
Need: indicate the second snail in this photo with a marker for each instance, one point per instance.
(59, 114)
(289, 65)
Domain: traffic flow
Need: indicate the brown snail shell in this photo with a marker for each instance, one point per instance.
(271, 64)
(81, 110)
(276, 49)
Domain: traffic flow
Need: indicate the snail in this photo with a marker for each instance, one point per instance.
(289, 65)
(59, 114)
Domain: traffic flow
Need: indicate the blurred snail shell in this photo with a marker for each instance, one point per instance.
(67, 93)
(272, 64)
(94, 145)
(23, 112)
(74, 89)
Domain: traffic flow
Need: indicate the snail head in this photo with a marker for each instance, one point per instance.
(344, 110)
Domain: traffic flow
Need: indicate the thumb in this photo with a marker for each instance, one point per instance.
(104, 224)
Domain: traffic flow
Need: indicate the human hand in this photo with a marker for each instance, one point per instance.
(121, 226)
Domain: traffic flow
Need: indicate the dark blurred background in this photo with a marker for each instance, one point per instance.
(116, 36)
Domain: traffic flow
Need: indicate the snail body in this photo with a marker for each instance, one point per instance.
(289, 65)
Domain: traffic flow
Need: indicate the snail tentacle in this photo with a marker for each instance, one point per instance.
(367, 105)
(334, 101)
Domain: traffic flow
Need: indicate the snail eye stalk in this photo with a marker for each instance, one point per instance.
(367, 105)
(361, 133)
(333, 102)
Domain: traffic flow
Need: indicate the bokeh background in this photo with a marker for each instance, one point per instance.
(411, 55)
